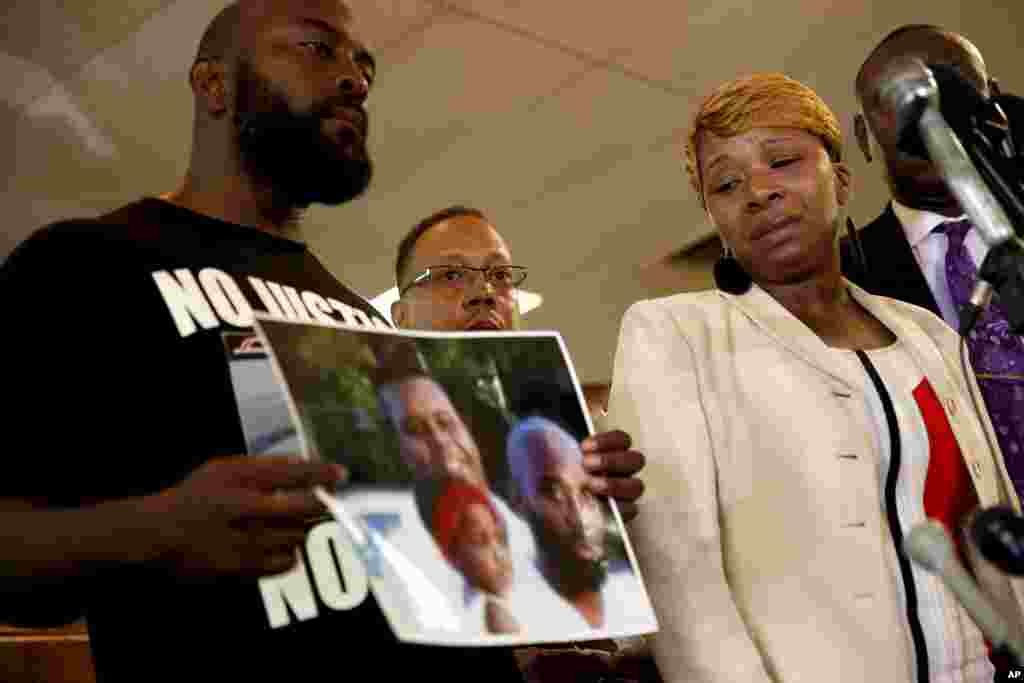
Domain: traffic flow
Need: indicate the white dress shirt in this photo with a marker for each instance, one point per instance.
(930, 252)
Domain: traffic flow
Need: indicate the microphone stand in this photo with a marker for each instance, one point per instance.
(1003, 266)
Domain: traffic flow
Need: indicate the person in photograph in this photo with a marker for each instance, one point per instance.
(435, 443)
(433, 439)
(797, 428)
(473, 537)
(570, 525)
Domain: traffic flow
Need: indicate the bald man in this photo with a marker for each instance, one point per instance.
(908, 249)
(570, 526)
(568, 521)
(191, 562)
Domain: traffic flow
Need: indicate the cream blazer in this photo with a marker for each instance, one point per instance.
(762, 533)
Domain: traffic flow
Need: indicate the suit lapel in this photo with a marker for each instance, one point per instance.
(892, 269)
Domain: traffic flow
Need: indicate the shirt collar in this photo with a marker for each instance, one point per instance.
(918, 224)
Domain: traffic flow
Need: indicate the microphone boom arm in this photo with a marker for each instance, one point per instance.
(912, 94)
(950, 157)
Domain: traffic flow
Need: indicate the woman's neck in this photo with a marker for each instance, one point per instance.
(825, 305)
(816, 301)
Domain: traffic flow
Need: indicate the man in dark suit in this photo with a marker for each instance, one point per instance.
(891, 263)
(921, 249)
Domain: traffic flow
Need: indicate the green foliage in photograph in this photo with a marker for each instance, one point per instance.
(341, 407)
(329, 377)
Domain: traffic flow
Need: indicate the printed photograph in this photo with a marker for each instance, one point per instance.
(467, 494)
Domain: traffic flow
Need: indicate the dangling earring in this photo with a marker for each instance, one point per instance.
(729, 274)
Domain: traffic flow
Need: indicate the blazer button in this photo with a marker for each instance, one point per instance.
(951, 406)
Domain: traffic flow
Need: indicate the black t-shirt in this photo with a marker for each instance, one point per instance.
(118, 386)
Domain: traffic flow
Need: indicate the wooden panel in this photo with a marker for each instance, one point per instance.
(59, 655)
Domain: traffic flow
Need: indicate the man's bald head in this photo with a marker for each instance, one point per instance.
(220, 40)
(280, 87)
(933, 45)
(232, 29)
(913, 181)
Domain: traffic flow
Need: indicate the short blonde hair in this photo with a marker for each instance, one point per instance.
(762, 99)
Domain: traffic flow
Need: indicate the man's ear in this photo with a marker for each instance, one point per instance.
(993, 88)
(208, 79)
(399, 313)
(844, 183)
(860, 131)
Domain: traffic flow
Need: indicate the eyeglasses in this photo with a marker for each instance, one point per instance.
(459, 277)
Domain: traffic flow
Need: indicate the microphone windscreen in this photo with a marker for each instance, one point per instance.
(998, 533)
(959, 102)
(930, 546)
(959, 99)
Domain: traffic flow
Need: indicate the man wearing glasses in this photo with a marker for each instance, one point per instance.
(454, 273)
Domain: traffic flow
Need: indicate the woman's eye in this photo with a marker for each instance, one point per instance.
(452, 275)
(726, 186)
(321, 48)
(779, 163)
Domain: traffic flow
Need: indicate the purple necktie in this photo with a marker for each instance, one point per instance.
(997, 355)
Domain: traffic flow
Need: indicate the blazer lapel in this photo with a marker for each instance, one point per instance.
(788, 331)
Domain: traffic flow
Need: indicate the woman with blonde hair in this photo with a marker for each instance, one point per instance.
(796, 428)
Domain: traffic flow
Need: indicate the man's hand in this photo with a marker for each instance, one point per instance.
(238, 516)
(558, 664)
(590, 662)
(606, 456)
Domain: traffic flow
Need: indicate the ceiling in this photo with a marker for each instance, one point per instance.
(560, 119)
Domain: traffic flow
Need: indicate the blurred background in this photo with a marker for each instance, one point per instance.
(563, 121)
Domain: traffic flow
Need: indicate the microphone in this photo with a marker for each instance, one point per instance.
(930, 546)
(962, 101)
(998, 532)
(910, 93)
(958, 101)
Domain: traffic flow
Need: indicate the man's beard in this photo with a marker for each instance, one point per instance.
(569, 573)
(288, 151)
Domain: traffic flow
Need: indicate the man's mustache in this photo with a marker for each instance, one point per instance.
(261, 123)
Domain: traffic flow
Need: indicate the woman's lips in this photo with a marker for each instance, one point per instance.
(478, 325)
(771, 227)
